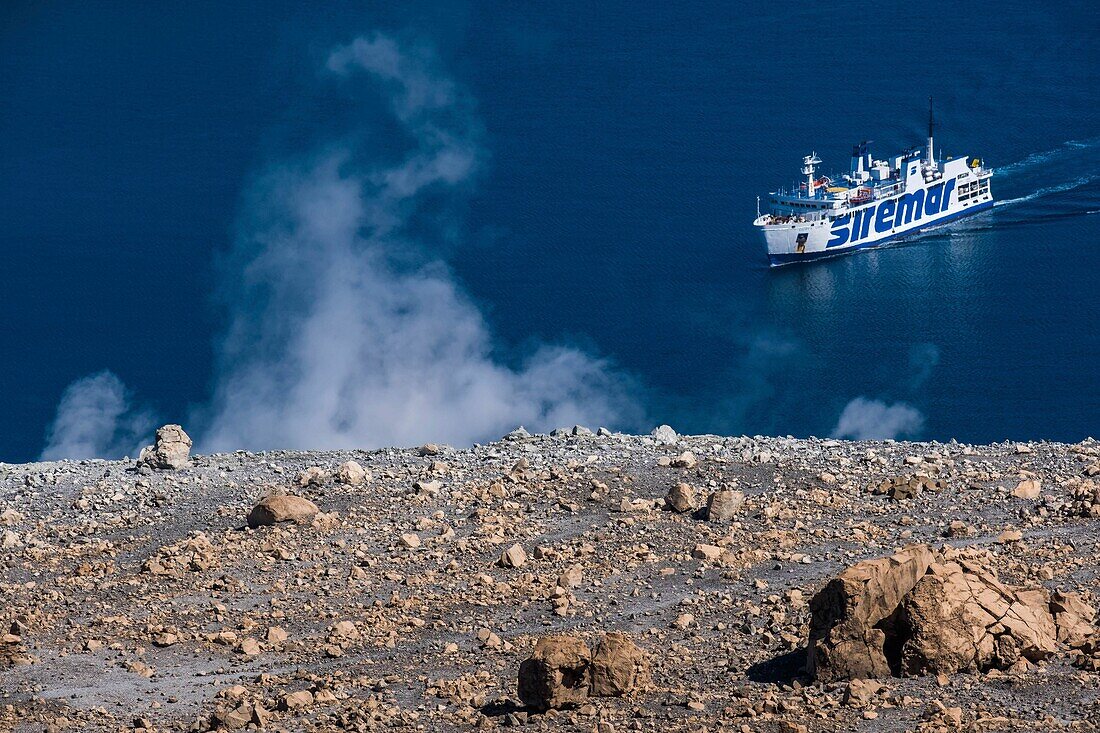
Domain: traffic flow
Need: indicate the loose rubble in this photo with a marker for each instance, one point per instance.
(581, 581)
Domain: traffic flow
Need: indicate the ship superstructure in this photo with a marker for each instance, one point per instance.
(877, 200)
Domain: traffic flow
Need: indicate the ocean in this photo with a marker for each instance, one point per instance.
(625, 147)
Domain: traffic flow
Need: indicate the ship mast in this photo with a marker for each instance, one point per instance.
(808, 164)
(931, 125)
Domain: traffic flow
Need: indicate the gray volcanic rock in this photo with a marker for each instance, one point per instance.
(619, 666)
(665, 435)
(352, 474)
(557, 674)
(681, 498)
(135, 599)
(845, 639)
(922, 612)
(722, 506)
(171, 451)
(282, 508)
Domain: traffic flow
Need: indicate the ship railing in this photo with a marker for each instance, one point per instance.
(791, 218)
(882, 192)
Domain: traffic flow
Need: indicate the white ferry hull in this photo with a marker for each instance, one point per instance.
(784, 247)
(913, 195)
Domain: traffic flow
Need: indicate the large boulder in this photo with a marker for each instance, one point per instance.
(562, 672)
(920, 612)
(846, 639)
(273, 509)
(171, 450)
(619, 666)
(960, 617)
(557, 675)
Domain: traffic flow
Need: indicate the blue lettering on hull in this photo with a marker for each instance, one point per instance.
(785, 259)
(891, 214)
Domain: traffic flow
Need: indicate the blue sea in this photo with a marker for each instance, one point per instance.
(625, 145)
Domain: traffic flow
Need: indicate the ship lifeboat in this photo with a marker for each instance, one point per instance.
(819, 183)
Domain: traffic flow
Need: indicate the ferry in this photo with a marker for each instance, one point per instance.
(875, 202)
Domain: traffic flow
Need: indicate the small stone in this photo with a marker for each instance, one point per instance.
(723, 505)
(297, 700)
(958, 529)
(665, 435)
(683, 621)
(489, 639)
(312, 476)
(140, 668)
(860, 691)
(513, 557)
(681, 498)
(410, 540)
(710, 553)
(571, 578)
(236, 718)
(1028, 489)
(170, 451)
(165, 639)
(283, 508)
(519, 433)
(686, 459)
(351, 473)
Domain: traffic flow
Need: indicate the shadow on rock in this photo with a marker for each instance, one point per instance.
(782, 669)
(500, 708)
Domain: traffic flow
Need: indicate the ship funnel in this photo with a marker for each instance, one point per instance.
(861, 158)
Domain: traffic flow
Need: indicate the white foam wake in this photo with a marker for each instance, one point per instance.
(1047, 190)
(1036, 159)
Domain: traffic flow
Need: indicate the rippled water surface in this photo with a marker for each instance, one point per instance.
(626, 145)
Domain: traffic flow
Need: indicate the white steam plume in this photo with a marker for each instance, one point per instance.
(344, 332)
(923, 358)
(95, 420)
(867, 419)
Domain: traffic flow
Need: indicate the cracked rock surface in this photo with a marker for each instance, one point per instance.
(410, 586)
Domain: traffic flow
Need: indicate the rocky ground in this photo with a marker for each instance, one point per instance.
(137, 596)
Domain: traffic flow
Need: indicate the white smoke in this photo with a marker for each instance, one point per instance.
(867, 419)
(95, 419)
(923, 358)
(345, 332)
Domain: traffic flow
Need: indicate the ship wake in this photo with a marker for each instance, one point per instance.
(1072, 165)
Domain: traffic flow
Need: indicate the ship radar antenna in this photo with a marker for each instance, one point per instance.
(931, 127)
(808, 164)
